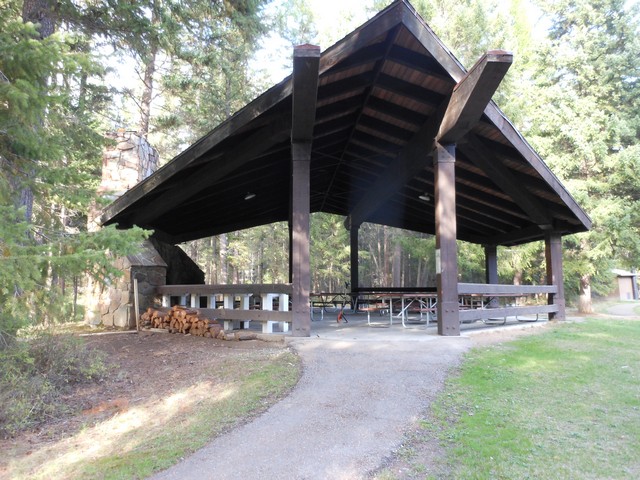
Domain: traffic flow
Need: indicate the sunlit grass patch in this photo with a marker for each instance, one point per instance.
(563, 404)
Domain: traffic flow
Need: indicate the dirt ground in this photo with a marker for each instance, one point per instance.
(142, 367)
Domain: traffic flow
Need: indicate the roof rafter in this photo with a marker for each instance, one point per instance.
(452, 120)
(500, 175)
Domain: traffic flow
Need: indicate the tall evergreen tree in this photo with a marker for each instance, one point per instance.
(49, 145)
(586, 124)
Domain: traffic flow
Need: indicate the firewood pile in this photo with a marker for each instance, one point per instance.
(179, 319)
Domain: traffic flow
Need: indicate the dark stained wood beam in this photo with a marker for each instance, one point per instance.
(480, 155)
(472, 94)
(418, 61)
(385, 128)
(332, 110)
(515, 237)
(350, 85)
(396, 111)
(375, 143)
(446, 245)
(306, 59)
(409, 90)
(334, 126)
(366, 55)
(555, 275)
(491, 270)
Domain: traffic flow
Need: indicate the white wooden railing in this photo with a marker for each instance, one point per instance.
(235, 305)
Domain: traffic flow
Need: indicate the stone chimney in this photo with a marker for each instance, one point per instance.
(127, 163)
(129, 160)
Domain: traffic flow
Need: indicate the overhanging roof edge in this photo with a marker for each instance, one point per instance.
(494, 113)
(253, 109)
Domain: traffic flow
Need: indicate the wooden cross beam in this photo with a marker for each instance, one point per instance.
(306, 61)
(452, 120)
(472, 94)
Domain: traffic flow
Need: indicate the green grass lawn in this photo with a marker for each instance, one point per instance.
(564, 404)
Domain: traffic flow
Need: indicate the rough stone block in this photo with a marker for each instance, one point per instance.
(121, 317)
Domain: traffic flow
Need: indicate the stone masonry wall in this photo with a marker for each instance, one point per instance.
(128, 162)
(116, 302)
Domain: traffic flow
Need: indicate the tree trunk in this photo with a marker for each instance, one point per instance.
(386, 256)
(517, 277)
(41, 13)
(584, 302)
(222, 277)
(396, 265)
(147, 92)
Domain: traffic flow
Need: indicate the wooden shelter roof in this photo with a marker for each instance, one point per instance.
(378, 88)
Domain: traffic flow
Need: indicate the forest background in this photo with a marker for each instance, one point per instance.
(72, 70)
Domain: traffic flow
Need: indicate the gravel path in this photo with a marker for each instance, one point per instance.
(626, 309)
(360, 390)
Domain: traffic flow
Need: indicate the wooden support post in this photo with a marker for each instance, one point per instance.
(491, 269)
(555, 276)
(353, 240)
(491, 264)
(446, 247)
(306, 60)
(299, 257)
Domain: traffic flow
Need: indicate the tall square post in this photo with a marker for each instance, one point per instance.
(300, 271)
(446, 246)
(555, 275)
(306, 59)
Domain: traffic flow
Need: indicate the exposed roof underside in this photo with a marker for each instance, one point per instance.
(377, 88)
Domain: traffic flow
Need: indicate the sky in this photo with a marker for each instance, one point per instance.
(333, 19)
(330, 13)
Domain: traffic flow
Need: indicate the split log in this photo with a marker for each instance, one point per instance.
(180, 319)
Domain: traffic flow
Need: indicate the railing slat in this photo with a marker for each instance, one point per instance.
(257, 315)
(500, 312)
(257, 289)
(495, 289)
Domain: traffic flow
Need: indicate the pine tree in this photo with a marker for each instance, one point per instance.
(587, 125)
(49, 145)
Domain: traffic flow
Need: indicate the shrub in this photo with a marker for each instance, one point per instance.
(35, 373)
